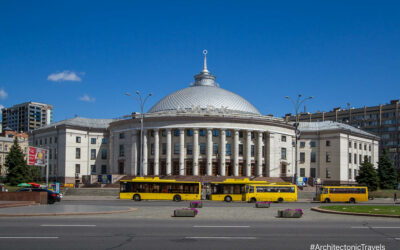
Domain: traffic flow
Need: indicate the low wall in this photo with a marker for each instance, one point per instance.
(92, 191)
(38, 197)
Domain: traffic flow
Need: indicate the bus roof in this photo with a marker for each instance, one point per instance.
(271, 184)
(156, 179)
(239, 181)
(344, 186)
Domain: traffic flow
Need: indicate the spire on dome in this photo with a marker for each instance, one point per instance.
(205, 78)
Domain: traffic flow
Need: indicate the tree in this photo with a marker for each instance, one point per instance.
(368, 175)
(35, 173)
(387, 172)
(17, 168)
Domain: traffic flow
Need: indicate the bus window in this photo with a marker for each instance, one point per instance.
(251, 190)
(325, 191)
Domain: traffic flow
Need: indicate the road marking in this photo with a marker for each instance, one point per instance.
(221, 238)
(376, 227)
(48, 225)
(224, 226)
(27, 237)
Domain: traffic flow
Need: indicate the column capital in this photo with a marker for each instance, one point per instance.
(195, 130)
(156, 129)
(181, 131)
(223, 131)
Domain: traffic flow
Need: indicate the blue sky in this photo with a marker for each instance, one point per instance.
(336, 51)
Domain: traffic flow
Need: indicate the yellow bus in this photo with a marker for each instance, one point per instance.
(270, 192)
(350, 194)
(147, 188)
(230, 189)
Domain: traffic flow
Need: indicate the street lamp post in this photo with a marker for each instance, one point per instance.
(297, 103)
(141, 102)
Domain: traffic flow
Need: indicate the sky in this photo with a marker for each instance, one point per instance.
(82, 56)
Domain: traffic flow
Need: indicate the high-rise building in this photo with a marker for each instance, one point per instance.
(27, 116)
(381, 120)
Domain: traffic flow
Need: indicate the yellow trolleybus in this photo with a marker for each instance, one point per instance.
(230, 189)
(159, 189)
(350, 194)
(270, 192)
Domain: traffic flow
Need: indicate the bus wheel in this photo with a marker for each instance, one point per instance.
(352, 200)
(280, 200)
(253, 200)
(177, 198)
(136, 197)
(327, 200)
(228, 198)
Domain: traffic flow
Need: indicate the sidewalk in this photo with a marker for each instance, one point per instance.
(5, 204)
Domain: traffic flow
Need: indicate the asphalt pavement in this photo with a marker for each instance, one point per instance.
(219, 225)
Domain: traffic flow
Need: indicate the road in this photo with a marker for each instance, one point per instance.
(232, 226)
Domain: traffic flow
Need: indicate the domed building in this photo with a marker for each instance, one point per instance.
(203, 130)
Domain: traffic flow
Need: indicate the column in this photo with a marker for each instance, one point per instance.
(181, 151)
(223, 153)
(145, 152)
(259, 153)
(236, 153)
(209, 152)
(248, 153)
(196, 152)
(169, 151)
(156, 152)
(134, 153)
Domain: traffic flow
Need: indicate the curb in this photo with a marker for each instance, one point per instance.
(64, 214)
(317, 209)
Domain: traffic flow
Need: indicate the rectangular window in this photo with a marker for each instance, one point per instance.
(78, 139)
(328, 157)
(121, 150)
(104, 154)
(349, 144)
(93, 141)
(283, 153)
(312, 172)
(240, 134)
(355, 145)
(51, 140)
(189, 148)
(313, 144)
(215, 148)
(176, 132)
(350, 158)
(78, 168)
(328, 173)
(313, 157)
(283, 138)
(360, 159)
(45, 140)
(121, 135)
(164, 148)
(55, 139)
(228, 149)
(365, 147)
(176, 148)
(355, 158)
(93, 169)
(228, 133)
(215, 132)
(77, 153)
(152, 149)
(350, 174)
(328, 143)
(163, 133)
(202, 132)
(240, 149)
(93, 154)
(252, 150)
(50, 153)
(355, 173)
(302, 144)
(302, 172)
(369, 148)
(104, 141)
(302, 158)
(360, 146)
(202, 148)
(103, 169)
(189, 132)
(252, 135)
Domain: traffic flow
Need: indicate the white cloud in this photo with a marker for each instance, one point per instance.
(64, 76)
(87, 98)
(3, 94)
(1, 107)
